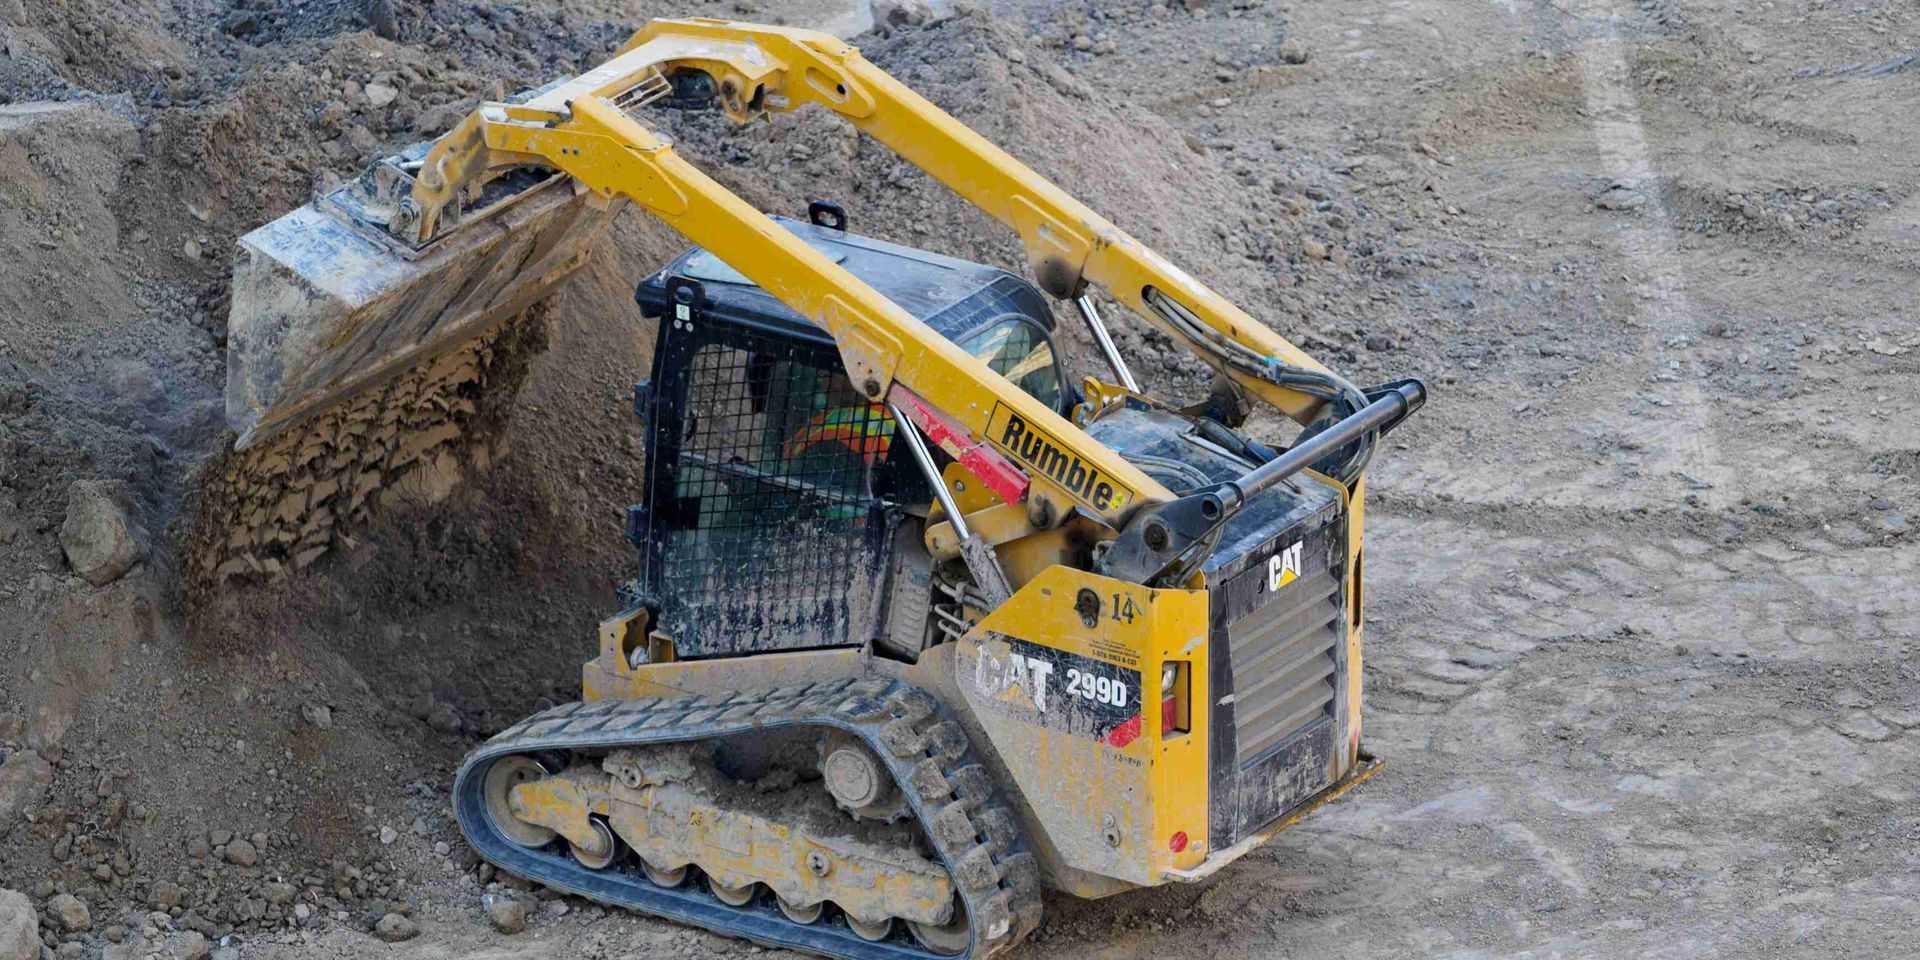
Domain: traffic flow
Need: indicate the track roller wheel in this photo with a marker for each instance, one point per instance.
(664, 876)
(505, 774)
(799, 914)
(870, 931)
(948, 939)
(604, 842)
(738, 896)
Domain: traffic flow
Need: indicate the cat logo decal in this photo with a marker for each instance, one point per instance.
(1283, 568)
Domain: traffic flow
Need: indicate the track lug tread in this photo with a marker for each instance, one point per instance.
(997, 825)
(996, 915)
(947, 740)
(928, 782)
(912, 704)
(971, 783)
(952, 829)
(902, 740)
(975, 869)
(869, 688)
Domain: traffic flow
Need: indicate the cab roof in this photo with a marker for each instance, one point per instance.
(955, 297)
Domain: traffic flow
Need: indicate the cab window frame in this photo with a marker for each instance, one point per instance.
(1063, 394)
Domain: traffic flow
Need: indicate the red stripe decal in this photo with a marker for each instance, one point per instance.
(1125, 733)
(996, 471)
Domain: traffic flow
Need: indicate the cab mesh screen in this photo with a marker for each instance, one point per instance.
(775, 541)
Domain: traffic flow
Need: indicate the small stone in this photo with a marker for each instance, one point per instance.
(71, 913)
(1314, 249)
(198, 848)
(388, 835)
(443, 718)
(318, 715)
(184, 945)
(442, 848)
(1294, 52)
(279, 894)
(164, 894)
(241, 853)
(381, 18)
(380, 94)
(242, 23)
(508, 914)
(1082, 42)
(394, 928)
(301, 911)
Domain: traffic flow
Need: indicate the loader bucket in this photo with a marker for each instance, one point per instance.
(325, 304)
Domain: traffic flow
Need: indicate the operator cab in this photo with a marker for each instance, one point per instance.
(777, 506)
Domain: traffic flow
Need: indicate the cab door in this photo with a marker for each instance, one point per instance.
(763, 526)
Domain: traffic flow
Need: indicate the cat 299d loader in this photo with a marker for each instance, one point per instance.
(921, 626)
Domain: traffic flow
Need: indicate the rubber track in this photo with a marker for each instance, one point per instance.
(952, 796)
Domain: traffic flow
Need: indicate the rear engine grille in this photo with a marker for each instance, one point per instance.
(1285, 664)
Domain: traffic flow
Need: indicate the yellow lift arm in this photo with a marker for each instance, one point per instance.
(584, 127)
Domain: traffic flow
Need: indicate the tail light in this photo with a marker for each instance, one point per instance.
(1173, 698)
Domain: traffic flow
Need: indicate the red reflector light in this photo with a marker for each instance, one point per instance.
(1178, 841)
(1169, 714)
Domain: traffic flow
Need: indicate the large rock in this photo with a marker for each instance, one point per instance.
(99, 539)
(24, 780)
(19, 927)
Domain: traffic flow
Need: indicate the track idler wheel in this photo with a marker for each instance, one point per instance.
(669, 877)
(738, 896)
(870, 931)
(505, 774)
(948, 939)
(799, 914)
(602, 852)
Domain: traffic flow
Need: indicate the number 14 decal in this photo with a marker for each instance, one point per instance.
(1124, 609)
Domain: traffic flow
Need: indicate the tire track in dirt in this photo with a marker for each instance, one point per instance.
(1467, 603)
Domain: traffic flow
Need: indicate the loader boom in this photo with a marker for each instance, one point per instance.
(584, 128)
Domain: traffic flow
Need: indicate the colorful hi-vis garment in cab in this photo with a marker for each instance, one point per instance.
(864, 429)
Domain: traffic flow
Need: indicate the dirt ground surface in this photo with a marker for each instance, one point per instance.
(1643, 588)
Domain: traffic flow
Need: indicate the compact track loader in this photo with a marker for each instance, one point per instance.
(921, 625)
